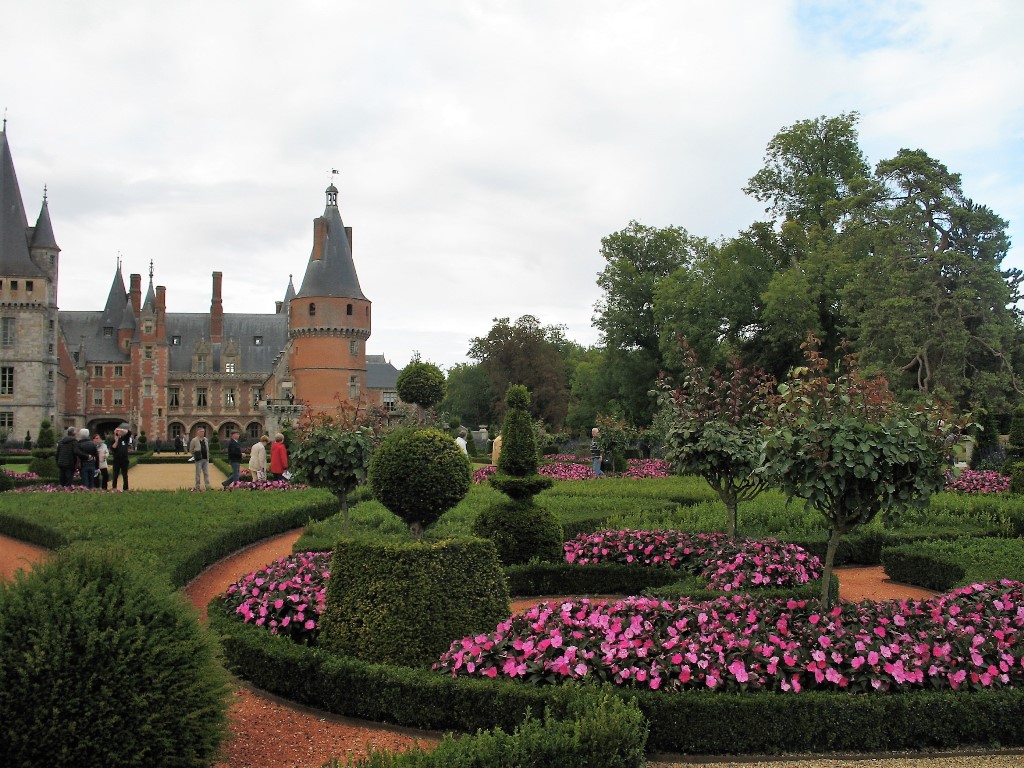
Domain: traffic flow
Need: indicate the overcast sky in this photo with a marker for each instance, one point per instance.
(483, 148)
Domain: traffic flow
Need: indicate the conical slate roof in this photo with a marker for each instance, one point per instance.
(334, 274)
(289, 293)
(42, 235)
(113, 310)
(14, 252)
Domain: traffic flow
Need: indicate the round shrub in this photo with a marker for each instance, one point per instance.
(421, 383)
(102, 663)
(45, 467)
(521, 531)
(419, 474)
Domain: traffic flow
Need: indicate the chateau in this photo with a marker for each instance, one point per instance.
(167, 374)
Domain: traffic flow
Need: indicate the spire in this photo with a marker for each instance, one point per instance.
(331, 271)
(14, 231)
(289, 294)
(127, 316)
(42, 235)
(150, 303)
(113, 310)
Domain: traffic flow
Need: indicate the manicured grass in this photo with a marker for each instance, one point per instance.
(178, 532)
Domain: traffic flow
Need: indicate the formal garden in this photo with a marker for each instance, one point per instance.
(727, 636)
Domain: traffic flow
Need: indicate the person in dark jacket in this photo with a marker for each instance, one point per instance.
(234, 459)
(88, 458)
(66, 457)
(119, 452)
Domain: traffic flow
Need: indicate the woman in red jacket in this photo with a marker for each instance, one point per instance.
(278, 458)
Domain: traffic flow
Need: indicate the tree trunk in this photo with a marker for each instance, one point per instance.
(344, 513)
(826, 576)
(730, 518)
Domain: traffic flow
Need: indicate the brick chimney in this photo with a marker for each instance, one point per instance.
(319, 237)
(135, 294)
(216, 310)
(161, 312)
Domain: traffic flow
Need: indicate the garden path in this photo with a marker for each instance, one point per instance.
(268, 732)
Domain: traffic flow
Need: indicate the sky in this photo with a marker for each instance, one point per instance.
(483, 148)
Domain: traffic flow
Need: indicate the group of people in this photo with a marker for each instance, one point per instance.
(92, 460)
(199, 446)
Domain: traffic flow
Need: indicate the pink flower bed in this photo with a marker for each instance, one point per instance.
(21, 475)
(966, 639)
(286, 597)
(974, 481)
(268, 485)
(672, 548)
(725, 565)
(565, 466)
(54, 488)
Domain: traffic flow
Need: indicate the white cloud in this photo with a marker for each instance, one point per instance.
(485, 147)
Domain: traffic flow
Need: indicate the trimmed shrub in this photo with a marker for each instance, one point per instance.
(600, 731)
(45, 438)
(421, 383)
(102, 664)
(519, 446)
(45, 467)
(419, 474)
(403, 602)
(521, 531)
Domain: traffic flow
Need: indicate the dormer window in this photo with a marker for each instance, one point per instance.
(148, 326)
(257, 341)
(201, 364)
(175, 341)
(312, 309)
(108, 332)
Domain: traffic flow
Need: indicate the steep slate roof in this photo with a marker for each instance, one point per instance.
(334, 274)
(113, 310)
(42, 233)
(380, 374)
(90, 325)
(244, 328)
(14, 253)
(289, 293)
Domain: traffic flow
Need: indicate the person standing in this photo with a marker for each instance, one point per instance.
(179, 446)
(595, 452)
(103, 470)
(67, 457)
(87, 458)
(461, 441)
(119, 450)
(278, 458)
(200, 448)
(258, 460)
(234, 459)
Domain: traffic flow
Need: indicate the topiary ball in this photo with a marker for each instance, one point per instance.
(521, 531)
(419, 474)
(102, 663)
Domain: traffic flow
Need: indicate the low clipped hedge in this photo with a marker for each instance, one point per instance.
(403, 601)
(688, 722)
(943, 565)
(600, 731)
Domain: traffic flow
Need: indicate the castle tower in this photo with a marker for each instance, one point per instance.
(29, 374)
(328, 319)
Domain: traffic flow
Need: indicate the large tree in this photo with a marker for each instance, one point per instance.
(527, 353)
(936, 310)
(468, 395)
(636, 260)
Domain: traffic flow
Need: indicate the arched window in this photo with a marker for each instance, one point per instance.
(348, 309)
(312, 309)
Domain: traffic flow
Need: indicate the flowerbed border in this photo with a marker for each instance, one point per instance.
(683, 722)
